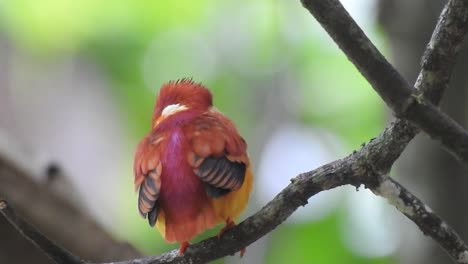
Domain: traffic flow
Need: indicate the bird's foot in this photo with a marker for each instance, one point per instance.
(183, 246)
(229, 224)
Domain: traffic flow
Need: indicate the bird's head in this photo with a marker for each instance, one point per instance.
(179, 96)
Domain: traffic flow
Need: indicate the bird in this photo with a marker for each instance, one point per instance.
(192, 170)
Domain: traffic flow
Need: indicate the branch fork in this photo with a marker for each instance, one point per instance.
(416, 108)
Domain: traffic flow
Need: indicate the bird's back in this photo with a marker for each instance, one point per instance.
(192, 170)
(185, 208)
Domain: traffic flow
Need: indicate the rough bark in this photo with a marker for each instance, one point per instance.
(433, 174)
(406, 102)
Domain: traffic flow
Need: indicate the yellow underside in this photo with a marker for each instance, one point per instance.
(161, 223)
(233, 204)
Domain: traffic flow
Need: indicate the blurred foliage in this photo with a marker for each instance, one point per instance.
(316, 242)
(233, 47)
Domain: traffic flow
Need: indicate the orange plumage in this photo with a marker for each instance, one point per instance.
(192, 168)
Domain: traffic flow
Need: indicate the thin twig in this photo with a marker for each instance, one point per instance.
(423, 216)
(52, 250)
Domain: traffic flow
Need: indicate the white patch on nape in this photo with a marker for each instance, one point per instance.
(172, 109)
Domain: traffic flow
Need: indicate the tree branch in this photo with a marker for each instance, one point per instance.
(296, 194)
(380, 154)
(42, 206)
(441, 52)
(332, 175)
(406, 102)
(52, 250)
(429, 223)
(348, 171)
(437, 64)
(371, 164)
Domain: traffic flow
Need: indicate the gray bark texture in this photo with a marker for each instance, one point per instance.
(434, 174)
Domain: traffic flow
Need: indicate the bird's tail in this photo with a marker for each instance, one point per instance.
(180, 229)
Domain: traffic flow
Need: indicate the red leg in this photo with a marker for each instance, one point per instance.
(242, 252)
(229, 224)
(183, 246)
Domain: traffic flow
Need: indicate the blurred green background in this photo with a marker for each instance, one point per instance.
(83, 75)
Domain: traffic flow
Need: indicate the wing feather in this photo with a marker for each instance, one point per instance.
(147, 170)
(218, 153)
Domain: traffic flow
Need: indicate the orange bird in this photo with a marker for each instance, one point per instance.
(192, 168)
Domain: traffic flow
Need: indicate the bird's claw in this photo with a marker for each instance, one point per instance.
(229, 224)
(183, 246)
